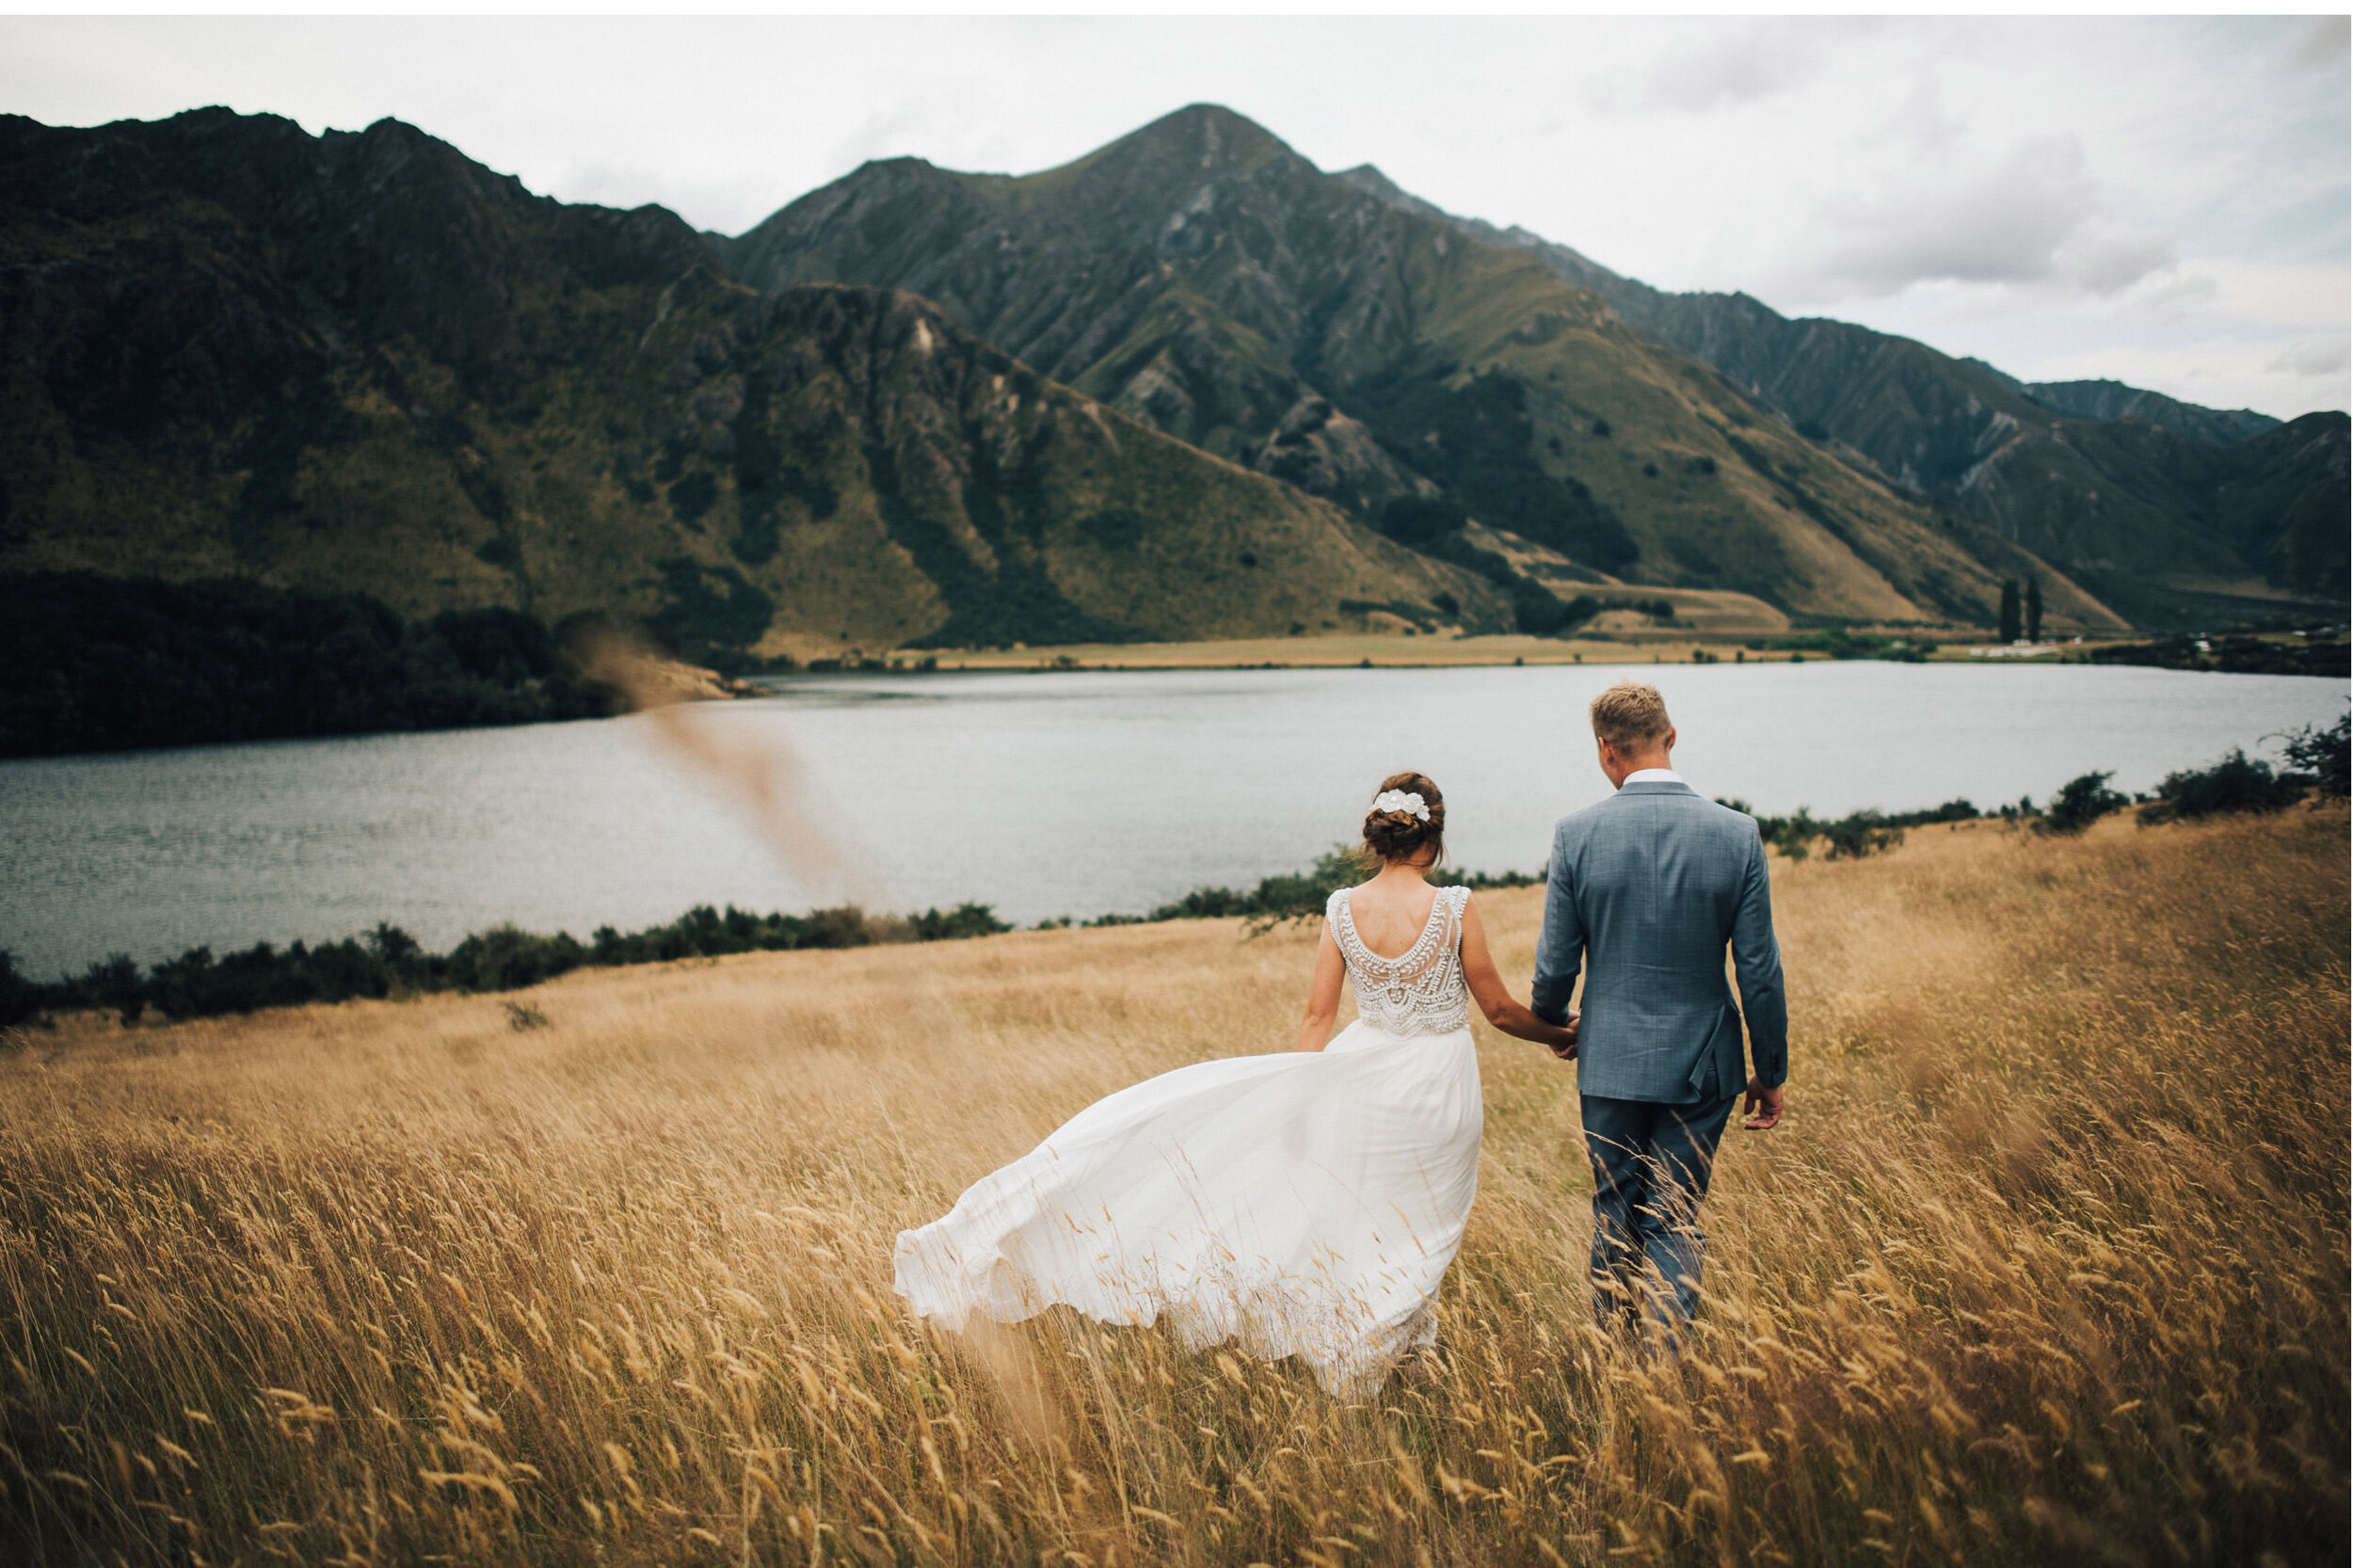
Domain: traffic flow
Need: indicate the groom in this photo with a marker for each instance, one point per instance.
(1645, 890)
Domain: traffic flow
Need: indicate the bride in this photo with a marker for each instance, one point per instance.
(1305, 1203)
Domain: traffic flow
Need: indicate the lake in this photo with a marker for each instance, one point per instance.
(1046, 794)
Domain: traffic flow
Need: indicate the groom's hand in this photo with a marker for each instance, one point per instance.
(1568, 1052)
(1762, 1107)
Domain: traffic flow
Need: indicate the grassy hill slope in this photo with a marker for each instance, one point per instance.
(1203, 276)
(362, 362)
(2166, 509)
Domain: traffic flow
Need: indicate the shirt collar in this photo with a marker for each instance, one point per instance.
(1653, 776)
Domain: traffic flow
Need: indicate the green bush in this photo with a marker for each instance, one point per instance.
(2324, 755)
(2080, 802)
(1838, 643)
(2237, 783)
(21, 1000)
(1852, 837)
(1542, 613)
(390, 962)
(965, 919)
(1860, 834)
(2229, 655)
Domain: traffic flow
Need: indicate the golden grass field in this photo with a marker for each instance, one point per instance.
(2048, 1265)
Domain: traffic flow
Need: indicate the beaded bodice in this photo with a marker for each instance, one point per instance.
(1419, 992)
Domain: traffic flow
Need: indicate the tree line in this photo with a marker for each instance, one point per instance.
(100, 663)
(389, 962)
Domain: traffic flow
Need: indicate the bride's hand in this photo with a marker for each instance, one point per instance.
(1568, 1052)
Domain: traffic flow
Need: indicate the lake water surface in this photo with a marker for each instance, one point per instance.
(1043, 794)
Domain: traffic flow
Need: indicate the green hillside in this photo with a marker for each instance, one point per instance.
(1202, 277)
(362, 363)
(1187, 386)
(2173, 514)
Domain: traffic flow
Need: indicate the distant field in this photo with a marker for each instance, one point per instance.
(1708, 611)
(1645, 643)
(2047, 1265)
(1654, 645)
(1307, 652)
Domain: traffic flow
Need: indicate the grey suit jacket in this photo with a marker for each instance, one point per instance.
(1645, 890)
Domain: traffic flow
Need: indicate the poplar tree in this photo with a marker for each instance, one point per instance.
(2010, 608)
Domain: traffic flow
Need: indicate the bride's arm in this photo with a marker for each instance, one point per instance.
(1495, 1000)
(1323, 994)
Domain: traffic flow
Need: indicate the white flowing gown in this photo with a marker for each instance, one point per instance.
(1299, 1203)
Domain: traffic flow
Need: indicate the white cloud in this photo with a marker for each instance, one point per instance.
(2037, 217)
(2322, 42)
(2318, 357)
(1710, 65)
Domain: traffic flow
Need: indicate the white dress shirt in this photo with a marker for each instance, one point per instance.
(1653, 776)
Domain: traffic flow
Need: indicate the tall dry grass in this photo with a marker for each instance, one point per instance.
(2049, 1263)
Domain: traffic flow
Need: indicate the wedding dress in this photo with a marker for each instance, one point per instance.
(1300, 1204)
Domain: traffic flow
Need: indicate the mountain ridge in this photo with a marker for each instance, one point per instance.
(1250, 304)
(2069, 469)
(1184, 385)
(364, 362)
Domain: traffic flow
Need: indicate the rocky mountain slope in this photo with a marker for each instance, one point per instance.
(2169, 511)
(1202, 277)
(361, 361)
(1187, 385)
(2115, 400)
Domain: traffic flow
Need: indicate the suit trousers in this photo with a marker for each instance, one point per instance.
(1651, 1163)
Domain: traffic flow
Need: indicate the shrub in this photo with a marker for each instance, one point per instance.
(1841, 643)
(1861, 834)
(507, 958)
(2080, 803)
(1852, 837)
(2237, 783)
(2229, 655)
(2322, 755)
(1793, 836)
(1542, 613)
(114, 983)
(387, 961)
(965, 919)
(21, 1000)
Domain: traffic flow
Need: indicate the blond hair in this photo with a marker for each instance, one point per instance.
(1630, 715)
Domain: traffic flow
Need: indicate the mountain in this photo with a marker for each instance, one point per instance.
(362, 362)
(1187, 385)
(1201, 277)
(2163, 509)
(2115, 400)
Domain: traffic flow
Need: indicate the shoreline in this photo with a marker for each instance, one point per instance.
(681, 682)
(1371, 652)
(387, 962)
(1393, 651)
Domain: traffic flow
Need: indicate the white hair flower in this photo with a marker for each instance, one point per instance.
(1407, 801)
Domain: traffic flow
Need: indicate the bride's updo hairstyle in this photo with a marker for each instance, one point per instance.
(1395, 835)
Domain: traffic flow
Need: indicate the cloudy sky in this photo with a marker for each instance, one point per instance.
(2160, 200)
